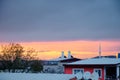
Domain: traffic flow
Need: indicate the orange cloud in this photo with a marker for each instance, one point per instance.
(79, 49)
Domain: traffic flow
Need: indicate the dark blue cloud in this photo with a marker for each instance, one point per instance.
(49, 20)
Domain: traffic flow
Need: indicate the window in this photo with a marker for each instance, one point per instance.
(99, 71)
(76, 70)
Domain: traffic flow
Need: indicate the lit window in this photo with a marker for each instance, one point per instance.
(99, 71)
(77, 70)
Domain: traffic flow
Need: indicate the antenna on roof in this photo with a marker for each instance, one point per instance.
(99, 50)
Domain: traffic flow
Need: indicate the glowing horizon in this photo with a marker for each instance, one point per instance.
(79, 49)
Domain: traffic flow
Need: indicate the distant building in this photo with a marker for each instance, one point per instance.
(110, 56)
(56, 65)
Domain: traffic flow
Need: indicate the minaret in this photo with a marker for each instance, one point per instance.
(62, 54)
(99, 50)
(69, 54)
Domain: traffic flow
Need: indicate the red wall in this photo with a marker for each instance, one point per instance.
(68, 69)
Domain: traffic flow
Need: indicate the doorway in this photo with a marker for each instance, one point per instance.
(111, 73)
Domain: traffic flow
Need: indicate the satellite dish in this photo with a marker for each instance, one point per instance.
(79, 75)
(95, 76)
(87, 75)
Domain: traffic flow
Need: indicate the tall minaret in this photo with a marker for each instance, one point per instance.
(99, 50)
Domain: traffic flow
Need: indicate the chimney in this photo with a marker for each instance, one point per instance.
(62, 54)
(69, 54)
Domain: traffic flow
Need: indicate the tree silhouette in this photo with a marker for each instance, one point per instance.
(14, 57)
(11, 56)
(11, 52)
(36, 66)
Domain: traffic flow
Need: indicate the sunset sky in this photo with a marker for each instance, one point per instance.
(52, 26)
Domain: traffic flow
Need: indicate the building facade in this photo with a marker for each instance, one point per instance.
(106, 68)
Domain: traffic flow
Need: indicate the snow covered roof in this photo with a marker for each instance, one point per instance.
(97, 61)
(58, 59)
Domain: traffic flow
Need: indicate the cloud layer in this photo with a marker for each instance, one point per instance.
(44, 20)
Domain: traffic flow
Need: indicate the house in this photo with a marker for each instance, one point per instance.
(56, 65)
(105, 67)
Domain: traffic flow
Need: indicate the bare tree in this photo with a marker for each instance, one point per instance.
(29, 54)
(11, 51)
(11, 56)
(14, 57)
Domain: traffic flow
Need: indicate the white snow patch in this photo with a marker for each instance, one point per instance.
(34, 76)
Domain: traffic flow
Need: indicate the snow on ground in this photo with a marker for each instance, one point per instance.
(34, 76)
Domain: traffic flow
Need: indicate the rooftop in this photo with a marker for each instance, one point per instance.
(97, 61)
(58, 59)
